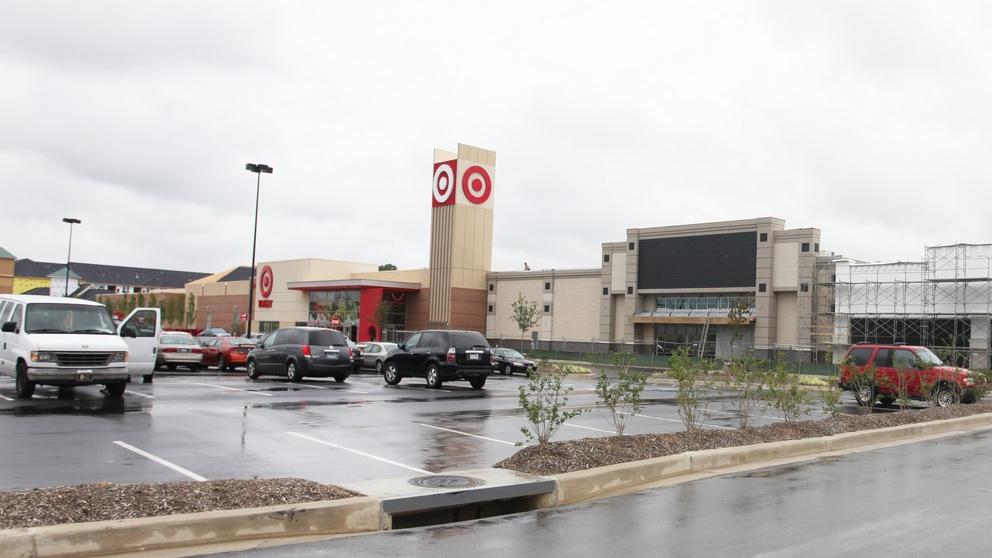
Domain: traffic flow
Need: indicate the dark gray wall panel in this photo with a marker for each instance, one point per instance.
(708, 261)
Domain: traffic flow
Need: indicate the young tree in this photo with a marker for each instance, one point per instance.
(525, 314)
(688, 396)
(738, 317)
(864, 381)
(381, 315)
(785, 392)
(387, 267)
(190, 309)
(141, 300)
(623, 398)
(746, 378)
(545, 402)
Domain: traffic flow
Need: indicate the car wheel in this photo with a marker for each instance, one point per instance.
(508, 370)
(194, 367)
(148, 378)
(865, 395)
(221, 365)
(433, 377)
(944, 397)
(391, 374)
(969, 397)
(252, 371)
(292, 372)
(23, 386)
(116, 389)
(477, 383)
(170, 366)
(66, 392)
(886, 400)
(378, 367)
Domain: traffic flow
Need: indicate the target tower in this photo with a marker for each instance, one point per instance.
(461, 237)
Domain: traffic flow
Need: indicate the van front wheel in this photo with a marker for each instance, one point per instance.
(23, 386)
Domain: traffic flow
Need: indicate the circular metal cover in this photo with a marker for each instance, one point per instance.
(446, 481)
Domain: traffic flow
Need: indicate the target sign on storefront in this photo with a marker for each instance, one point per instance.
(477, 185)
(444, 183)
(265, 282)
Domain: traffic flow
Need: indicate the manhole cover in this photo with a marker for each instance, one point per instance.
(446, 481)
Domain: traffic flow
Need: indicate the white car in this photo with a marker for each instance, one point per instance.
(374, 354)
(69, 342)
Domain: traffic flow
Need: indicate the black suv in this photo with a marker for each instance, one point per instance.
(296, 352)
(440, 356)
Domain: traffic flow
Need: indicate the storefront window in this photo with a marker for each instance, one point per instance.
(334, 309)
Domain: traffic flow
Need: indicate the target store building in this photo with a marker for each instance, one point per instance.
(363, 302)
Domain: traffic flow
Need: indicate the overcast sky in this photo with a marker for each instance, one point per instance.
(869, 120)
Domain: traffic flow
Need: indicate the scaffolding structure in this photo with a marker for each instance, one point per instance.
(943, 302)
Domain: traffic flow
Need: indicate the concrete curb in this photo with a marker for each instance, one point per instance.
(99, 538)
(610, 480)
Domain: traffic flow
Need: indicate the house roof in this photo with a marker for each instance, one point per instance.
(242, 273)
(4, 254)
(38, 291)
(110, 274)
(60, 273)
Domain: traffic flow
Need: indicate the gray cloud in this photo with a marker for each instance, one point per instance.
(868, 120)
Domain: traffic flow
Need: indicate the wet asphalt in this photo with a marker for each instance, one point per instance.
(921, 499)
(214, 426)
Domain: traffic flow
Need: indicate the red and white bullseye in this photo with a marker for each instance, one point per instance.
(265, 282)
(444, 182)
(477, 185)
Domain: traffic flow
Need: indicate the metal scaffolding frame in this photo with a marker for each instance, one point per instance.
(943, 302)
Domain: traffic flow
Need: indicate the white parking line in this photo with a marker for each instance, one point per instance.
(5, 398)
(467, 434)
(227, 388)
(129, 392)
(359, 452)
(419, 388)
(738, 414)
(160, 461)
(588, 428)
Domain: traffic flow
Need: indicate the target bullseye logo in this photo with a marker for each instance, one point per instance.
(265, 282)
(477, 185)
(444, 183)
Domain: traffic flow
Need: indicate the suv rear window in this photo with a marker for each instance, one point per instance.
(465, 339)
(327, 338)
(860, 355)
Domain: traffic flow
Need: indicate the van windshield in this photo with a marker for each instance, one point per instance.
(68, 318)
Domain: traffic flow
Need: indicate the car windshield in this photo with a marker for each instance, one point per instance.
(510, 353)
(68, 318)
(927, 356)
(177, 340)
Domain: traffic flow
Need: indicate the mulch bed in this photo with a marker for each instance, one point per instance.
(101, 501)
(577, 455)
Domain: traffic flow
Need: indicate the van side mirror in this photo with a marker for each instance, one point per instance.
(10, 327)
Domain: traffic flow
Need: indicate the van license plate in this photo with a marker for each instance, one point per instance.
(84, 375)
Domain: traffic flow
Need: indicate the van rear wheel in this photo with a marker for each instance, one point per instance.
(23, 386)
(116, 389)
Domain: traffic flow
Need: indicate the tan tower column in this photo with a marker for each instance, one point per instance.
(461, 236)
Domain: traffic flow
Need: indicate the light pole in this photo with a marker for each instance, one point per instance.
(68, 257)
(258, 169)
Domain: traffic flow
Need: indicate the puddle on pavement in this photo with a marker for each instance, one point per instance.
(88, 406)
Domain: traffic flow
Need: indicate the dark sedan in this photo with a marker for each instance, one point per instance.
(508, 361)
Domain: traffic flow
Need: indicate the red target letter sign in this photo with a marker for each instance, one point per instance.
(477, 185)
(444, 183)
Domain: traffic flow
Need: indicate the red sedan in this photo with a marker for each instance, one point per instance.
(226, 353)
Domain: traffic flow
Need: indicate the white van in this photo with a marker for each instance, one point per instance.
(70, 342)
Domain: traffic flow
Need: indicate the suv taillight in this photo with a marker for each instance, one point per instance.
(492, 359)
(451, 355)
(306, 350)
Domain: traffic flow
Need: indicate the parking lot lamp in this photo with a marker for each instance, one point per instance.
(258, 169)
(68, 258)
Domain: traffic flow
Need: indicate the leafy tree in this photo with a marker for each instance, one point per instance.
(738, 316)
(785, 392)
(864, 381)
(623, 398)
(746, 377)
(381, 315)
(141, 300)
(525, 315)
(545, 402)
(688, 395)
(387, 267)
(190, 309)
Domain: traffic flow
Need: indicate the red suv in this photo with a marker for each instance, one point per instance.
(916, 365)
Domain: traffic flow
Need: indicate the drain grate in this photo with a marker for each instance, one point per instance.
(446, 481)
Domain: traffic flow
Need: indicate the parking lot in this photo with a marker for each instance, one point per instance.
(212, 426)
